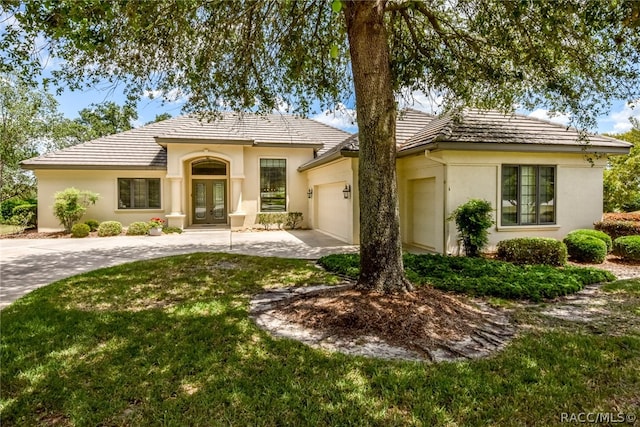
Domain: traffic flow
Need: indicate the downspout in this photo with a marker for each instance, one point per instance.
(445, 180)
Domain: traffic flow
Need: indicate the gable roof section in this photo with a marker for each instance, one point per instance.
(492, 130)
(144, 147)
(408, 123)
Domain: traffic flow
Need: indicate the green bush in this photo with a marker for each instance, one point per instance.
(617, 229)
(473, 220)
(93, 224)
(25, 215)
(80, 230)
(109, 228)
(7, 206)
(271, 218)
(533, 250)
(169, 230)
(294, 219)
(483, 277)
(627, 247)
(70, 204)
(595, 233)
(138, 229)
(583, 248)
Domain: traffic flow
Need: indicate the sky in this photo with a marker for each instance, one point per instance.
(617, 121)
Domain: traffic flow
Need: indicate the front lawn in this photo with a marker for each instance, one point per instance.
(169, 342)
(482, 277)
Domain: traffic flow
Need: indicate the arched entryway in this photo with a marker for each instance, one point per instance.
(209, 191)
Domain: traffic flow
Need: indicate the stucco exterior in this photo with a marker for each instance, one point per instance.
(105, 183)
(442, 163)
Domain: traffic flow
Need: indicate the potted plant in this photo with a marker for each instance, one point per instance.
(155, 226)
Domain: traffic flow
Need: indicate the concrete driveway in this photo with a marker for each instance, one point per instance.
(27, 264)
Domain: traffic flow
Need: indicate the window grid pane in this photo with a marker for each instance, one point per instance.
(528, 195)
(273, 181)
(139, 193)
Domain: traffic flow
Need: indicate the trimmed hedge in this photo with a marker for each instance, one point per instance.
(138, 228)
(533, 250)
(583, 248)
(617, 229)
(627, 247)
(622, 216)
(80, 230)
(109, 228)
(482, 277)
(595, 233)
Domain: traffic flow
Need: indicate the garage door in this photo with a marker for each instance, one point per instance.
(422, 211)
(332, 210)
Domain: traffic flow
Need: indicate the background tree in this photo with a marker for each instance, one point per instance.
(571, 56)
(622, 178)
(26, 116)
(99, 120)
(159, 118)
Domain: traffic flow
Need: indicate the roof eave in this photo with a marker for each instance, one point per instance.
(515, 147)
(32, 166)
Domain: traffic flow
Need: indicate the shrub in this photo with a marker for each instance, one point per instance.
(294, 219)
(138, 229)
(597, 234)
(25, 215)
(473, 219)
(583, 248)
(483, 277)
(7, 206)
(109, 228)
(621, 216)
(71, 204)
(627, 247)
(533, 250)
(80, 230)
(617, 229)
(269, 219)
(93, 224)
(169, 230)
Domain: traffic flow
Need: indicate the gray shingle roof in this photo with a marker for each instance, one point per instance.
(141, 148)
(492, 127)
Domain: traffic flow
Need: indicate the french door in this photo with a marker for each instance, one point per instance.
(209, 201)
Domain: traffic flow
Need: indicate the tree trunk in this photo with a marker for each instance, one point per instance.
(381, 266)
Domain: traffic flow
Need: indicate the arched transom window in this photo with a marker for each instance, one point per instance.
(208, 167)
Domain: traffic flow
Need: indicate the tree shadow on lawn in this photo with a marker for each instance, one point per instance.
(202, 361)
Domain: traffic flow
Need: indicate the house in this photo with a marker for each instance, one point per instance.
(542, 179)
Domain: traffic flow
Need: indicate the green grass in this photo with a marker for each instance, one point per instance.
(9, 229)
(169, 342)
(483, 277)
(627, 285)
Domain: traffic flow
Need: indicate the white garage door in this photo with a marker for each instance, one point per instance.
(422, 211)
(332, 210)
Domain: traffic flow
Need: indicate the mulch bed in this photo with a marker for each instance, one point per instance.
(420, 320)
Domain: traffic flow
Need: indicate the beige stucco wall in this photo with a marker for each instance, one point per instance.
(477, 175)
(103, 182)
(335, 175)
(243, 192)
(410, 170)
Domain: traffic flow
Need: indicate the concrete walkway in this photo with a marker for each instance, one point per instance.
(27, 264)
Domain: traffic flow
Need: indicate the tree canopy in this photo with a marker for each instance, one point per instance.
(572, 56)
(622, 177)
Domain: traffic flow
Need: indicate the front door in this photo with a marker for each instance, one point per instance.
(209, 201)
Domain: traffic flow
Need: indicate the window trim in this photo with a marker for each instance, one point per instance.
(286, 183)
(537, 224)
(147, 209)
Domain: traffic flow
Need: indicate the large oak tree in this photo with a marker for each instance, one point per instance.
(572, 56)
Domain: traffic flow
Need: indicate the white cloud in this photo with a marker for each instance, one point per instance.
(619, 122)
(428, 102)
(341, 117)
(542, 114)
(174, 96)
